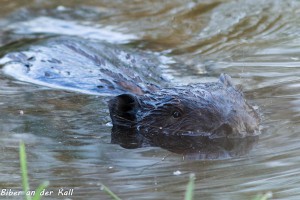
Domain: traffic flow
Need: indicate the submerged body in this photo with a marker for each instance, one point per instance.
(85, 66)
(146, 102)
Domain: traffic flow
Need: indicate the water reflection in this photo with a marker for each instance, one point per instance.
(192, 147)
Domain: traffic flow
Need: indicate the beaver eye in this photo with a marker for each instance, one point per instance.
(176, 114)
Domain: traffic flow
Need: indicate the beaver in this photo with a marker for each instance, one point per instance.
(215, 109)
(143, 99)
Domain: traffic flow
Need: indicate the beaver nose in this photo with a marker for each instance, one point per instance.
(251, 127)
(251, 124)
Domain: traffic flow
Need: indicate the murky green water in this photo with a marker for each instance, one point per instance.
(67, 134)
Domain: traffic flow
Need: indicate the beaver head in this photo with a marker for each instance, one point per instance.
(216, 109)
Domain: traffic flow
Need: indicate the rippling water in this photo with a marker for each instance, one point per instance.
(67, 134)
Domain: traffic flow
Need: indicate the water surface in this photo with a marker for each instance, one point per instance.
(67, 134)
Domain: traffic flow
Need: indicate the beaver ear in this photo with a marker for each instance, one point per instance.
(123, 109)
(226, 80)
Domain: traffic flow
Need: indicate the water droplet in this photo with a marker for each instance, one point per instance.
(176, 173)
